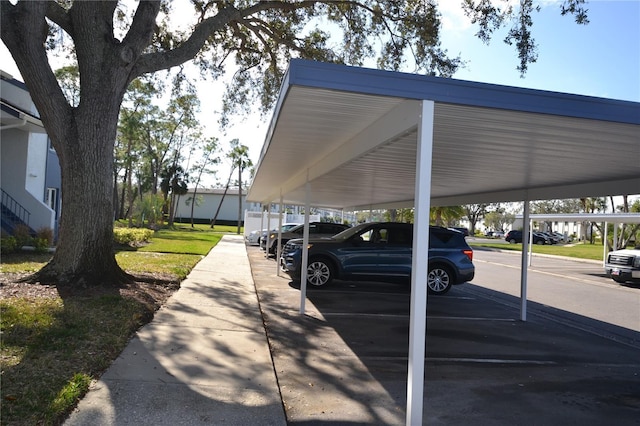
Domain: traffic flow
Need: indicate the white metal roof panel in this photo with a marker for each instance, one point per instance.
(352, 133)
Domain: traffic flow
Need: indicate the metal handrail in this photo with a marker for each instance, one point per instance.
(15, 208)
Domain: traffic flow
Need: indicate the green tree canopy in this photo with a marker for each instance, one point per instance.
(113, 45)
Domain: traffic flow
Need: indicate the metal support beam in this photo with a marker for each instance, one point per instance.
(279, 246)
(524, 267)
(305, 248)
(266, 253)
(420, 267)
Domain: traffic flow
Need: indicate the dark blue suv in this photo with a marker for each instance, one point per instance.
(381, 252)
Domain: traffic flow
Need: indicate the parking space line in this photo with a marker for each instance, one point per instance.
(555, 274)
(369, 315)
(494, 361)
(464, 360)
(471, 318)
(363, 315)
(557, 318)
(356, 292)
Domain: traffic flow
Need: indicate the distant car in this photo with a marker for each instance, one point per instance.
(624, 265)
(562, 237)
(541, 238)
(316, 229)
(494, 234)
(381, 252)
(553, 239)
(514, 237)
(254, 237)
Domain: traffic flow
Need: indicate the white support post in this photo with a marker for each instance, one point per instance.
(261, 222)
(420, 267)
(279, 246)
(530, 241)
(524, 268)
(604, 242)
(305, 248)
(266, 252)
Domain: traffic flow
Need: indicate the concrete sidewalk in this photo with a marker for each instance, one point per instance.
(204, 359)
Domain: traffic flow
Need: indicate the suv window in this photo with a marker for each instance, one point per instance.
(400, 236)
(440, 238)
(374, 235)
(330, 229)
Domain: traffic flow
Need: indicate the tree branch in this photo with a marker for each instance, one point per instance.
(58, 15)
(189, 49)
(143, 26)
(23, 29)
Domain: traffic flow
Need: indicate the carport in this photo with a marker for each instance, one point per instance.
(356, 138)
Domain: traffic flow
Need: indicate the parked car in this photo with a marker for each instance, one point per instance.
(562, 237)
(494, 234)
(265, 232)
(381, 252)
(542, 238)
(624, 265)
(553, 239)
(254, 237)
(515, 236)
(316, 229)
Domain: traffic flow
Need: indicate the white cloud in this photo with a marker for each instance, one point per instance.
(453, 18)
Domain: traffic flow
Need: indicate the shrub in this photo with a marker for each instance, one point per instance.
(41, 245)
(8, 245)
(149, 210)
(22, 234)
(131, 236)
(46, 234)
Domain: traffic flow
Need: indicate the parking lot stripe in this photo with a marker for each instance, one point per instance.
(471, 318)
(494, 361)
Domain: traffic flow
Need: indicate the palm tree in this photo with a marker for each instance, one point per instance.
(239, 156)
(446, 215)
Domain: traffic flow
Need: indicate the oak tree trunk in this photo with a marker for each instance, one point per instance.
(85, 253)
(83, 136)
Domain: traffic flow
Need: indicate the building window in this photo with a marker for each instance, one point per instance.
(51, 198)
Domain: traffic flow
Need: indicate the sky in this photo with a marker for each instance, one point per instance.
(600, 59)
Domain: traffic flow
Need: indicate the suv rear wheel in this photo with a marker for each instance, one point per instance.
(319, 272)
(439, 280)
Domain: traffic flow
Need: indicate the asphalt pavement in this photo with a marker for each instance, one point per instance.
(232, 348)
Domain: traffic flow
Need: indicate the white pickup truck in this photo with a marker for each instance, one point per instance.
(624, 265)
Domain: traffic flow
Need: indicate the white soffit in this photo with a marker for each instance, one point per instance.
(357, 146)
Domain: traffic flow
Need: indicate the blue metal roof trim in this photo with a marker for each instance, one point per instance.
(284, 90)
(11, 80)
(447, 90)
(15, 111)
(9, 110)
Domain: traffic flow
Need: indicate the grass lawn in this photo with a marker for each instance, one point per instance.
(53, 347)
(579, 250)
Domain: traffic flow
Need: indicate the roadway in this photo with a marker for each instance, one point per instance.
(574, 361)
